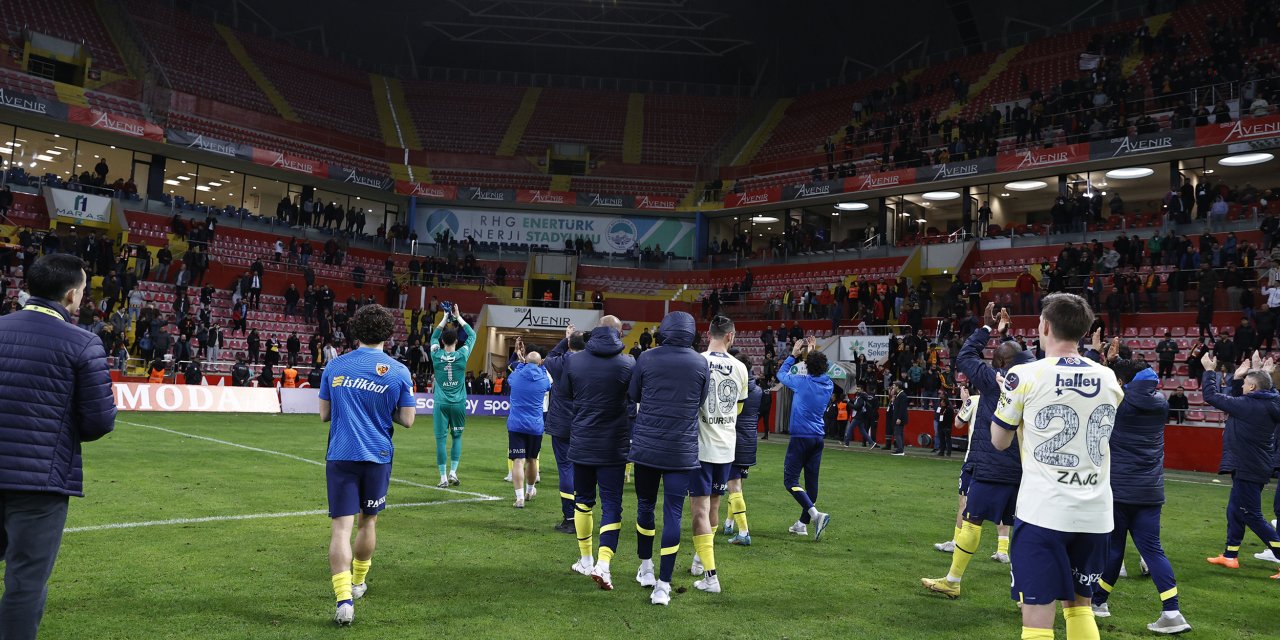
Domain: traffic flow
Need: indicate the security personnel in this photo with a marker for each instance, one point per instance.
(290, 380)
(240, 373)
(157, 371)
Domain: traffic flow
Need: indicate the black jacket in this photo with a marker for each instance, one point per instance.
(596, 381)
(669, 384)
(1249, 439)
(989, 465)
(1137, 443)
(560, 407)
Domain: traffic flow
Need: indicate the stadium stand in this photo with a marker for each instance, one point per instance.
(71, 20)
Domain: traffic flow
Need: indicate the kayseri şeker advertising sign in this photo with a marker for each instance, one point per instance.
(608, 234)
(872, 348)
(78, 207)
(504, 317)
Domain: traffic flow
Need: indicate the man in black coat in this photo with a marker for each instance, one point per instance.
(55, 393)
(1167, 352)
(897, 418)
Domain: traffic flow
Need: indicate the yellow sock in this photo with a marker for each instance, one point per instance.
(738, 510)
(955, 534)
(342, 586)
(510, 465)
(606, 554)
(1002, 545)
(704, 546)
(584, 524)
(1081, 624)
(966, 544)
(360, 569)
(537, 471)
(1029, 633)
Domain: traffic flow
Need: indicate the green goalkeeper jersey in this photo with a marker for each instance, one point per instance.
(451, 368)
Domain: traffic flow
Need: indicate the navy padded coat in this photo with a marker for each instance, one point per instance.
(1137, 443)
(560, 408)
(748, 426)
(1249, 440)
(596, 382)
(989, 464)
(55, 392)
(670, 384)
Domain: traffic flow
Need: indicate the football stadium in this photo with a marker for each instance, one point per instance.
(582, 319)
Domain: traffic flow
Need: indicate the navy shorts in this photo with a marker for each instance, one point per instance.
(357, 487)
(1053, 565)
(991, 502)
(738, 472)
(711, 479)
(966, 479)
(523, 445)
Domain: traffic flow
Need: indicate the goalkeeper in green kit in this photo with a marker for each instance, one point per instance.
(450, 390)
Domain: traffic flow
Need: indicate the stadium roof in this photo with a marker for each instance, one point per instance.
(786, 44)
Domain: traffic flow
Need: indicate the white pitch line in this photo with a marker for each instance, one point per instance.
(250, 516)
(483, 496)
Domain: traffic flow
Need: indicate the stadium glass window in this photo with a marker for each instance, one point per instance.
(39, 153)
(6, 144)
(220, 187)
(119, 161)
(262, 195)
(180, 179)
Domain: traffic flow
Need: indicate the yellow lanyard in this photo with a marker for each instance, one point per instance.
(45, 310)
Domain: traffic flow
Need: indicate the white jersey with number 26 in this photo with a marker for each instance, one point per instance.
(1064, 410)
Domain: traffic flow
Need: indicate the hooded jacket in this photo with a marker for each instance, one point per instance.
(989, 464)
(55, 393)
(1249, 440)
(529, 385)
(809, 400)
(748, 426)
(560, 408)
(596, 383)
(670, 383)
(1137, 442)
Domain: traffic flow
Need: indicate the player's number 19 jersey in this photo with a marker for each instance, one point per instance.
(718, 418)
(1064, 410)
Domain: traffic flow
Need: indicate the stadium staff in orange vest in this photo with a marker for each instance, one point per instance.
(55, 394)
(157, 371)
(546, 298)
(290, 380)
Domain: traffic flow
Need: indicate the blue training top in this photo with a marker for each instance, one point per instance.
(365, 387)
(529, 385)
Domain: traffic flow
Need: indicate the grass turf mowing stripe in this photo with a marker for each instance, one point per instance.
(483, 496)
(253, 516)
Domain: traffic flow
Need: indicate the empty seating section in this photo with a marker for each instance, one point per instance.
(491, 180)
(594, 118)
(195, 58)
(621, 281)
(629, 186)
(269, 142)
(461, 118)
(681, 129)
(811, 119)
(72, 20)
(42, 88)
(321, 92)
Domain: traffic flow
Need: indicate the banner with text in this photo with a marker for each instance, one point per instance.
(115, 123)
(1145, 143)
(290, 162)
(359, 177)
(32, 104)
(873, 348)
(537, 196)
(505, 317)
(1238, 131)
(78, 207)
(308, 401)
(181, 397)
(1023, 159)
(609, 234)
(813, 190)
(201, 142)
(881, 180)
(427, 191)
(956, 170)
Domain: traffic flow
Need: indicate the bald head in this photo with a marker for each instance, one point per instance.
(612, 322)
(534, 358)
(1005, 354)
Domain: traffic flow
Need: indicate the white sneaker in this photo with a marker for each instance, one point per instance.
(710, 584)
(529, 493)
(506, 478)
(820, 523)
(537, 478)
(603, 578)
(1101, 610)
(696, 568)
(1267, 555)
(1142, 566)
(661, 594)
(945, 547)
(645, 578)
(1002, 558)
(519, 504)
(453, 478)
(1166, 625)
(357, 590)
(799, 528)
(1124, 573)
(345, 615)
(584, 566)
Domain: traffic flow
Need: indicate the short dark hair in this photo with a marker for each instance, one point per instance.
(816, 363)
(1068, 315)
(372, 324)
(577, 341)
(52, 276)
(1126, 369)
(744, 359)
(721, 326)
(449, 337)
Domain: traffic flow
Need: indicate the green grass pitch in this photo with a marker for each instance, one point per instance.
(481, 569)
